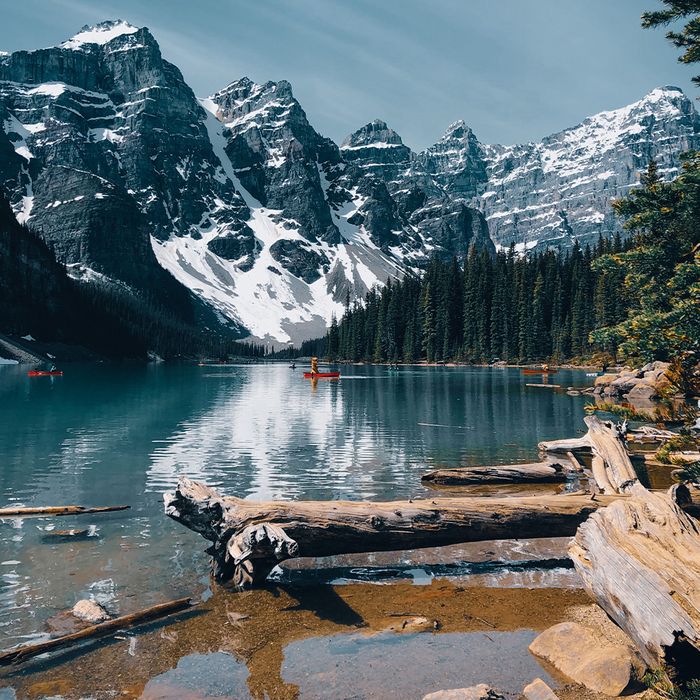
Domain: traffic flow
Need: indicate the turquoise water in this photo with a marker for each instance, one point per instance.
(123, 434)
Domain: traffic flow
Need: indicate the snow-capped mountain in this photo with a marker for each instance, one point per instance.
(559, 190)
(107, 153)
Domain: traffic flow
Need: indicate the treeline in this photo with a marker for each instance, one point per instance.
(39, 298)
(510, 307)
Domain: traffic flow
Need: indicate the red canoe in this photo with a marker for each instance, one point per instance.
(540, 371)
(321, 375)
(44, 373)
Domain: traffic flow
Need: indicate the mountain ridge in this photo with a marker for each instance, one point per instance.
(107, 153)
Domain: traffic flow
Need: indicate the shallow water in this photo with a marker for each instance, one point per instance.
(112, 434)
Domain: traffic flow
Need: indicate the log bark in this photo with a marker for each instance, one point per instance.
(58, 510)
(564, 446)
(611, 466)
(539, 472)
(27, 651)
(610, 459)
(249, 538)
(639, 558)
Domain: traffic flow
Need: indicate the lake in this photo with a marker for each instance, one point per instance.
(107, 434)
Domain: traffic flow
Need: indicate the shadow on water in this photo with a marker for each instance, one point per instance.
(425, 572)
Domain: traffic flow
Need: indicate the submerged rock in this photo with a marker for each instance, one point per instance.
(538, 690)
(415, 624)
(476, 692)
(90, 611)
(589, 658)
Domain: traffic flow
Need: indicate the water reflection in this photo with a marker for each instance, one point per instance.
(269, 434)
(112, 434)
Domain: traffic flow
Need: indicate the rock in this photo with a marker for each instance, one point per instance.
(90, 611)
(539, 690)
(476, 692)
(589, 659)
(605, 379)
(643, 391)
(415, 624)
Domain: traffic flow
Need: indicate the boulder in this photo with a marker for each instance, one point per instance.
(604, 379)
(90, 611)
(589, 659)
(476, 692)
(642, 390)
(538, 690)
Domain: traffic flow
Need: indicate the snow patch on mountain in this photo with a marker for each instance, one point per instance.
(99, 34)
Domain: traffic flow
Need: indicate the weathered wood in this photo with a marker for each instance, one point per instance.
(58, 510)
(538, 472)
(576, 464)
(250, 538)
(612, 467)
(564, 446)
(27, 651)
(640, 559)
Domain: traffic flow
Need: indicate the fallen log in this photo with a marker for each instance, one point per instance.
(565, 445)
(27, 651)
(611, 463)
(538, 472)
(639, 558)
(250, 538)
(58, 510)
(611, 467)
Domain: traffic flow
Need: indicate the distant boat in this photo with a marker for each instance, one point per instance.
(321, 375)
(45, 373)
(533, 370)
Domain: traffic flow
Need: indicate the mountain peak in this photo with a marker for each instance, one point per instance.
(456, 131)
(99, 34)
(375, 133)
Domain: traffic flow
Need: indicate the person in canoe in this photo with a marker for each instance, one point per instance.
(545, 367)
(314, 365)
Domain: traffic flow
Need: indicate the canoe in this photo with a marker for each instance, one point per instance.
(321, 375)
(540, 371)
(44, 373)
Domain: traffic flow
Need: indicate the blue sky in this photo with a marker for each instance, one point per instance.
(514, 70)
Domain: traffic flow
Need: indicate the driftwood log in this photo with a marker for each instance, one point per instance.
(539, 472)
(639, 558)
(27, 651)
(250, 538)
(58, 510)
(611, 467)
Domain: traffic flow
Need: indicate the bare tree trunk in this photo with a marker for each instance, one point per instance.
(249, 538)
(539, 472)
(640, 560)
(611, 467)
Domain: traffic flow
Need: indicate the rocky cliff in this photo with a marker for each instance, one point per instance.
(106, 153)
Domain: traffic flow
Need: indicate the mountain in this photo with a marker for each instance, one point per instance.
(234, 212)
(559, 189)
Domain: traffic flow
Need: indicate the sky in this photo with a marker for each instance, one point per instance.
(514, 70)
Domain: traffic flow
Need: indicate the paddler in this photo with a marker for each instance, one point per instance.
(314, 365)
